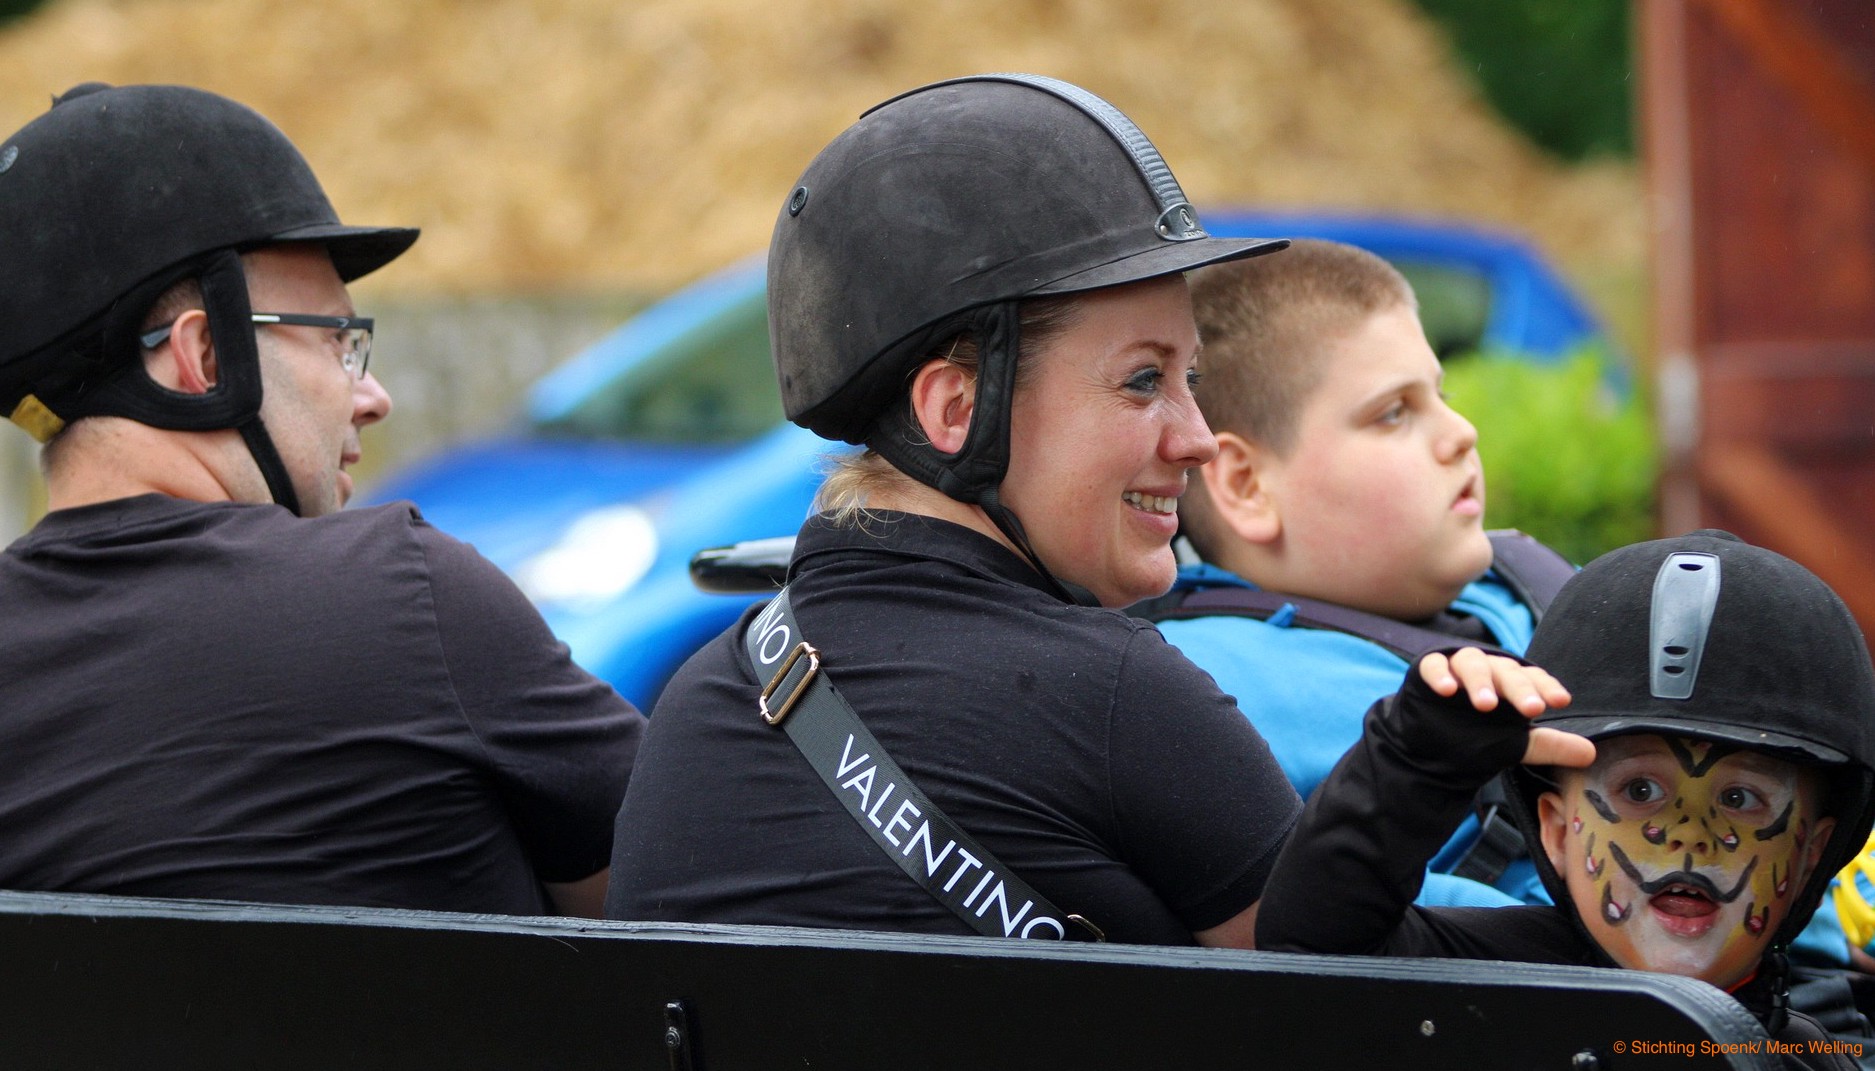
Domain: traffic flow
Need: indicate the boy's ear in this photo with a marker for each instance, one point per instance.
(943, 397)
(1551, 823)
(1238, 483)
(185, 362)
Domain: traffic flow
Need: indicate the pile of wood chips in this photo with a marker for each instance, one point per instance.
(637, 144)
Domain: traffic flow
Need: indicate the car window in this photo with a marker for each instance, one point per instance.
(713, 384)
(1454, 304)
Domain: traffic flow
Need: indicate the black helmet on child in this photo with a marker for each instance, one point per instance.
(111, 197)
(1708, 637)
(935, 214)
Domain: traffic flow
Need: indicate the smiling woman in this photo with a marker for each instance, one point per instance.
(980, 282)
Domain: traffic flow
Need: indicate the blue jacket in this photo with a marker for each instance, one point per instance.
(1307, 689)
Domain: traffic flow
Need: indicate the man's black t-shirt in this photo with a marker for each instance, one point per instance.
(227, 701)
(1072, 742)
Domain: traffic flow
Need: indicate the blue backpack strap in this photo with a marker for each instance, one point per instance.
(1535, 572)
(1409, 642)
(1531, 570)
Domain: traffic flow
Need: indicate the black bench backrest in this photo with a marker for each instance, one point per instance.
(93, 982)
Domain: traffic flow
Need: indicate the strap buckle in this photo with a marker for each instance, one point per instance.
(773, 717)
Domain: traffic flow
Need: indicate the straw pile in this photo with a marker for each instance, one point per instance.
(636, 144)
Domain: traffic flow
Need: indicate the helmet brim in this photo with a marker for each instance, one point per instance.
(1600, 726)
(356, 251)
(1168, 259)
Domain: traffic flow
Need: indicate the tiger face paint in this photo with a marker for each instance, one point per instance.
(1683, 856)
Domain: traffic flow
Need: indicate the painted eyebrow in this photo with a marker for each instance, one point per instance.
(1766, 765)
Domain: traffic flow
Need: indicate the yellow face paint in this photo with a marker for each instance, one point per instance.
(1683, 856)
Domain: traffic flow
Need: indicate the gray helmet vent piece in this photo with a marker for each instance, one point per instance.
(1179, 221)
(1686, 592)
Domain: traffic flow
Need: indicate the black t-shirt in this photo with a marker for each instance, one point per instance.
(227, 701)
(1072, 742)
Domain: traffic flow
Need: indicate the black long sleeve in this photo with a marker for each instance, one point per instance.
(1346, 880)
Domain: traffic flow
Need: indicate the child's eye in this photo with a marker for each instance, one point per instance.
(1393, 414)
(1740, 798)
(1642, 790)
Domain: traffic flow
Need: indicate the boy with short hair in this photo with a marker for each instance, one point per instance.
(1731, 700)
(1350, 497)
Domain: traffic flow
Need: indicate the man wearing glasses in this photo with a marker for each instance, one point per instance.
(216, 682)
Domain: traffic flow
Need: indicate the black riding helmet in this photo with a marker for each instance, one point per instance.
(1709, 637)
(117, 193)
(936, 214)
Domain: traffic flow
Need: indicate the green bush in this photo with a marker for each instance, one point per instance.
(1567, 458)
(1560, 70)
(13, 9)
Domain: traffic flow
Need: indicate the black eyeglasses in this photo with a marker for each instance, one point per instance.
(354, 335)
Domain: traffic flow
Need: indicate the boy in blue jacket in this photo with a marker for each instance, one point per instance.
(1341, 525)
(1341, 532)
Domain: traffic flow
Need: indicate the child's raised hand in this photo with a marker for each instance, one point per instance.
(1488, 679)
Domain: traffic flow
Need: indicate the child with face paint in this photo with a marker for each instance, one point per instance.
(1681, 854)
(1731, 702)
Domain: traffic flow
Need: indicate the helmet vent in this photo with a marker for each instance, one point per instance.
(1686, 593)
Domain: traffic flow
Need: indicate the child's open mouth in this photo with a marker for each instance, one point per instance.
(1684, 910)
(1467, 501)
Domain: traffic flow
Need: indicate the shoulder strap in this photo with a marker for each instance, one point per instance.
(898, 817)
(1409, 642)
(1535, 572)
(1499, 843)
(1530, 569)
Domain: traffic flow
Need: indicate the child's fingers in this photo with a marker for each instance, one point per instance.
(1436, 670)
(1488, 679)
(1553, 747)
(1478, 675)
(1528, 689)
(1552, 690)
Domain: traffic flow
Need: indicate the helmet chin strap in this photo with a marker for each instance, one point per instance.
(974, 474)
(260, 445)
(1010, 525)
(233, 402)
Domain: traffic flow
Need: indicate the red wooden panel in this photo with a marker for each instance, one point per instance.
(1760, 135)
(1783, 201)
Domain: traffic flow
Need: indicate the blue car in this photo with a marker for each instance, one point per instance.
(667, 437)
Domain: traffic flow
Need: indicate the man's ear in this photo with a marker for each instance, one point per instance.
(1241, 491)
(1551, 823)
(185, 362)
(943, 397)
